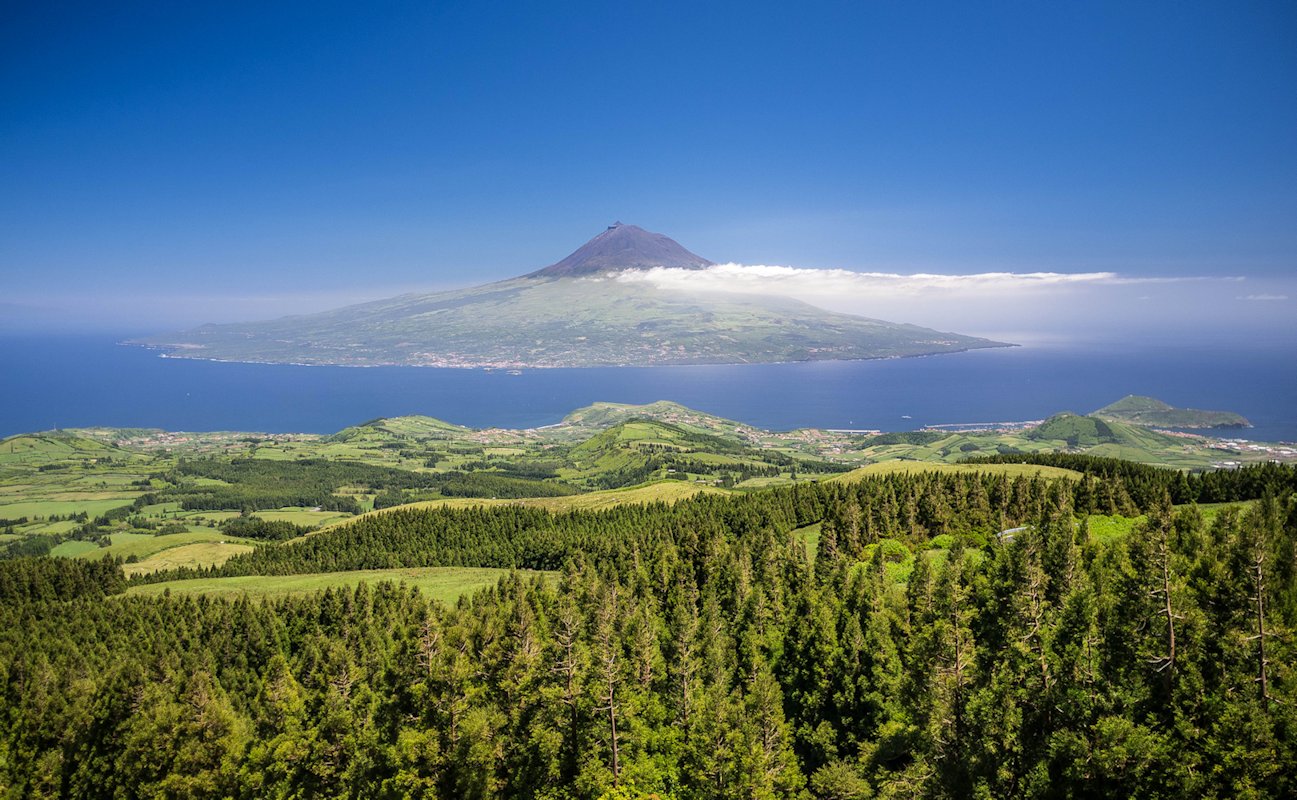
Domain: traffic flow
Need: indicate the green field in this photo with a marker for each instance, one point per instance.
(48, 528)
(72, 548)
(440, 583)
(142, 545)
(54, 447)
(199, 554)
(659, 492)
(1104, 528)
(810, 536)
(910, 467)
(301, 516)
(200, 517)
(1210, 510)
(63, 506)
(150, 553)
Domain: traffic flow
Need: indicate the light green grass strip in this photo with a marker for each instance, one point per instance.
(439, 583)
(910, 467)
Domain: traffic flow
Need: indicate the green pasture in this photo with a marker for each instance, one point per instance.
(48, 528)
(658, 492)
(1106, 528)
(74, 504)
(810, 537)
(74, 548)
(302, 516)
(439, 583)
(198, 554)
(142, 545)
(910, 467)
(1209, 511)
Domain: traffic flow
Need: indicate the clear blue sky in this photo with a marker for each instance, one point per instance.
(176, 148)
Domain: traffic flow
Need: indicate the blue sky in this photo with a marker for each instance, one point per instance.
(238, 159)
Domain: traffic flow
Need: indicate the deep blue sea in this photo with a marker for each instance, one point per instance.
(77, 381)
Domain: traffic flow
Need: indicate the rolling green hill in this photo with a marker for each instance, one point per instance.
(1149, 411)
(1076, 430)
(1093, 431)
(395, 428)
(641, 436)
(599, 416)
(52, 446)
(644, 449)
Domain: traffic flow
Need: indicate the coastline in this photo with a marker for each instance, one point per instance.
(170, 352)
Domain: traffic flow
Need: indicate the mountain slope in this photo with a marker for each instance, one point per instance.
(623, 246)
(51, 446)
(414, 427)
(1092, 431)
(574, 313)
(601, 416)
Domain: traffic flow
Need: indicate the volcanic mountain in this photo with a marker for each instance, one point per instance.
(622, 247)
(579, 312)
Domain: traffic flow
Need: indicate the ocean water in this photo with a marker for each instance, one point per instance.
(86, 380)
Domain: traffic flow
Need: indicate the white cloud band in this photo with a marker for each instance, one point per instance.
(800, 282)
(1008, 305)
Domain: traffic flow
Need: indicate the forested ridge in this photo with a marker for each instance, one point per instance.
(952, 635)
(1145, 483)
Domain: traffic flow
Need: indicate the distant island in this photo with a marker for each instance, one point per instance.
(1151, 412)
(577, 312)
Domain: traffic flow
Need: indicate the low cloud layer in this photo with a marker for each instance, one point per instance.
(1021, 306)
(765, 279)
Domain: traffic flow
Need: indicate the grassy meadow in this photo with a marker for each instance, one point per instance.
(446, 584)
(911, 467)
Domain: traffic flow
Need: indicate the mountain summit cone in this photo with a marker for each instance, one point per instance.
(580, 312)
(620, 247)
